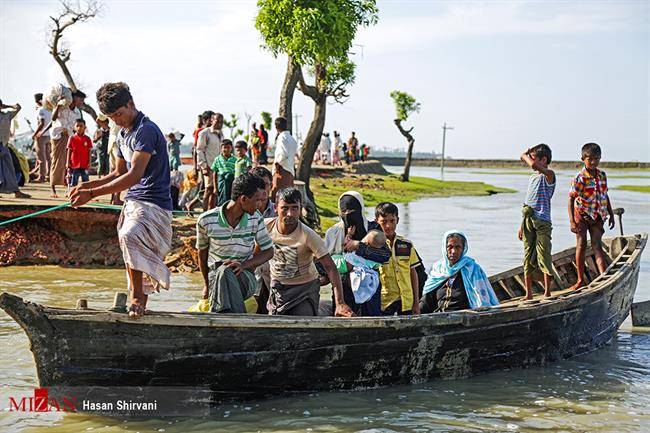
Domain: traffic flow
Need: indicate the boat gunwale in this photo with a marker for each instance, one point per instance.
(467, 318)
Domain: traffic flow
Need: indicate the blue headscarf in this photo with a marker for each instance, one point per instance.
(478, 288)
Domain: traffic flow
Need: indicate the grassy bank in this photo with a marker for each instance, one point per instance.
(376, 189)
(636, 188)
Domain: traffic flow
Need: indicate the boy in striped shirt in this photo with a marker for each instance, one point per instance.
(233, 240)
(536, 227)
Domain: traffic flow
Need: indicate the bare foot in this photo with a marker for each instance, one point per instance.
(54, 195)
(577, 285)
(20, 194)
(548, 294)
(528, 297)
(136, 309)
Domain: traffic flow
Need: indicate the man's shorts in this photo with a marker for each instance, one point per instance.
(207, 179)
(585, 223)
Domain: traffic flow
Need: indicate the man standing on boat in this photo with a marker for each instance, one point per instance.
(145, 225)
(232, 241)
(295, 284)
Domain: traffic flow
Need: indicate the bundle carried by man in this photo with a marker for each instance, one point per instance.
(59, 94)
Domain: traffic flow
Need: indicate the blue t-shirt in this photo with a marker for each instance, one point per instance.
(154, 184)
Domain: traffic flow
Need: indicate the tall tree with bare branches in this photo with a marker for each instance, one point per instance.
(405, 104)
(70, 14)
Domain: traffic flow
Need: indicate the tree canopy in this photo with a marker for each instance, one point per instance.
(317, 34)
(405, 104)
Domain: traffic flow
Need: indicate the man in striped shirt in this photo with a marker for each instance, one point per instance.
(232, 241)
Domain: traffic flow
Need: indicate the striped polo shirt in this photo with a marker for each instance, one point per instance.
(539, 196)
(227, 243)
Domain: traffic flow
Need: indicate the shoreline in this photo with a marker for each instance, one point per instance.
(507, 163)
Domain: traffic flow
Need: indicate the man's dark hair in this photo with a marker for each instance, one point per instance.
(542, 150)
(206, 115)
(247, 184)
(38, 97)
(78, 94)
(112, 96)
(385, 208)
(241, 144)
(80, 120)
(226, 142)
(289, 195)
(281, 123)
(262, 172)
(591, 149)
(457, 236)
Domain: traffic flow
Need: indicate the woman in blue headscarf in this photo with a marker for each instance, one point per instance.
(456, 282)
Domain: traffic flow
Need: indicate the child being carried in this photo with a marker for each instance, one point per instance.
(364, 275)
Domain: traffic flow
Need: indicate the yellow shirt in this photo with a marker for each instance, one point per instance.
(395, 276)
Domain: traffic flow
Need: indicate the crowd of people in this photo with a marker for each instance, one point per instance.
(336, 152)
(251, 241)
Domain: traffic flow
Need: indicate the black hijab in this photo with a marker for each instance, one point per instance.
(351, 215)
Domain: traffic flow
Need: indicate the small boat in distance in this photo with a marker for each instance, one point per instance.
(251, 356)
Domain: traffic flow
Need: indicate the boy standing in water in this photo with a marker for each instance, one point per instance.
(536, 227)
(589, 206)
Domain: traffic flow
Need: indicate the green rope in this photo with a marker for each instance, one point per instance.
(40, 212)
(112, 206)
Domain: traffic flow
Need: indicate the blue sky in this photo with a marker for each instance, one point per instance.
(505, 74)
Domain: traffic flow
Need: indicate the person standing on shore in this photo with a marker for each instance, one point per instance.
(145, 224)
(78, 154)
(264, 144)
(42, 141)
(63, 121)
(284, 157)
(101, 138)
(8, 180)
(336, 149)
(207, 149)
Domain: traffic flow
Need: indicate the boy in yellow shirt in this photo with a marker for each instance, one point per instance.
(398, 277)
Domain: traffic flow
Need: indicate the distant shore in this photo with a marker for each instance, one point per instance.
(506, 163)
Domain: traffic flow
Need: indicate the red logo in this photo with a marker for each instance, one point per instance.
(41, 402)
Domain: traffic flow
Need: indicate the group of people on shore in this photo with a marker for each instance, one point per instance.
(335, 152)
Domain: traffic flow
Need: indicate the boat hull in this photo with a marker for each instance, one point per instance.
(254, 356)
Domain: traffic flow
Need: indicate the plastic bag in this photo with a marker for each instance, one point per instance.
(203, 306)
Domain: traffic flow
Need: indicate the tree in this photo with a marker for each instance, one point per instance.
(405, 105)
(267, 120)
(70, 14)
(316, 34)
(232, 125)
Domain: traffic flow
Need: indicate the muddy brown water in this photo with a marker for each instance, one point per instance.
(605, 391)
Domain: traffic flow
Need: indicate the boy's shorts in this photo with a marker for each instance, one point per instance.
(537, 245)
(585, 223)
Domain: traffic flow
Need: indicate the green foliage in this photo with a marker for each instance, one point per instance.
(635, 188)
(231, 124)
(405, 104)
(267, 120)
(317, 34)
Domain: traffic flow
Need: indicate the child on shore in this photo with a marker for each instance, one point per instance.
(243, 163)
(589, 207)
(536, 226)
(78, 154)
(400, 292)
(223, 170)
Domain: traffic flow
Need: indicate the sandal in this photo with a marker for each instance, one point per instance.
(136, 310)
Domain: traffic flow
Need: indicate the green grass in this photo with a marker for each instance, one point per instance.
(628, 176)
(636, 188)
(376, 189)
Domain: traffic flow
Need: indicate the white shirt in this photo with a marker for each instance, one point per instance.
(208, 147)
(285, 151)
(325, 144)
(65, 122)
(46, 115)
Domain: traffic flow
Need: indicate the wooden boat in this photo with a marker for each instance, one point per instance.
(243, 356)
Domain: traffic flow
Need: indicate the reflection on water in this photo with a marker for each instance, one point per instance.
(605, 391)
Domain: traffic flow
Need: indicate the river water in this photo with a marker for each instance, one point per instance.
(604, 391)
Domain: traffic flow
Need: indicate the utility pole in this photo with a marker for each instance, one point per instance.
(295, 125)
(442, 160)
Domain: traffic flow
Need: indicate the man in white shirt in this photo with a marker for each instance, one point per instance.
(324, 148)
(284, 157)
(208, 146)
(63, 120)
(42, 141)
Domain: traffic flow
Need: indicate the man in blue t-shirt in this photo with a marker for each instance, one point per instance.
(145, 226)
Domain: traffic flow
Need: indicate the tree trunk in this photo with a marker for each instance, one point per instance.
(409, 138)
(312, 140)
(286, 94)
